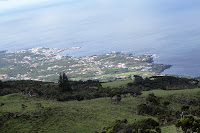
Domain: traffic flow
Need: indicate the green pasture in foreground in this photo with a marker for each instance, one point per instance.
(71, 116)
(76, 116)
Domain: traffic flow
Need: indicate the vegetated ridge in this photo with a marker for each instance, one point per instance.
(149, 105)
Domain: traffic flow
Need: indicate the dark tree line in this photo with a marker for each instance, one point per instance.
(164, 83)
(147, 125)
(65, 89)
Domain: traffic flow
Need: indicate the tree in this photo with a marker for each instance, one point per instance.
(1, 84)
(135, 91)
(64, 83)
(151, 98)
(138, 80)
(189, 124)
(148, 125)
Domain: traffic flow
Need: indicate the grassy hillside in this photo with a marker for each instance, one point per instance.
(22, 113)
(74, 116)
(165, 93)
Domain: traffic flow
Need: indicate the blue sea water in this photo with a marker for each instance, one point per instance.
(167, 28)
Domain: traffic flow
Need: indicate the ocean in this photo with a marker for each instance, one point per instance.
(170, 29)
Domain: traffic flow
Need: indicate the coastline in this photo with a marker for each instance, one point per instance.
(45, 64)
(3, 51)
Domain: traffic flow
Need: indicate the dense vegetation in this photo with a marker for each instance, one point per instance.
(164, 83)
(147, 105)
(147, 125)
(65, 90)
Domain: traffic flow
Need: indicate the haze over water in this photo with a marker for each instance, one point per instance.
(168, 28)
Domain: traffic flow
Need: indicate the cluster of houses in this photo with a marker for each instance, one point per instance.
(76, 66)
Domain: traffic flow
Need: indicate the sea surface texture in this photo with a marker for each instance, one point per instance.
(168, 28)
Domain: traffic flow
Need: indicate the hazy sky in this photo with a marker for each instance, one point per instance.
(10, 5)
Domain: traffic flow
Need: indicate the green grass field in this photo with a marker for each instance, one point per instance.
(72, 116)
(175, 95)
(145, 74)
(164, 93)
(170, 129)
(77, 116)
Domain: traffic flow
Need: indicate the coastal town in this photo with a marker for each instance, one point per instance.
(45, 64)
